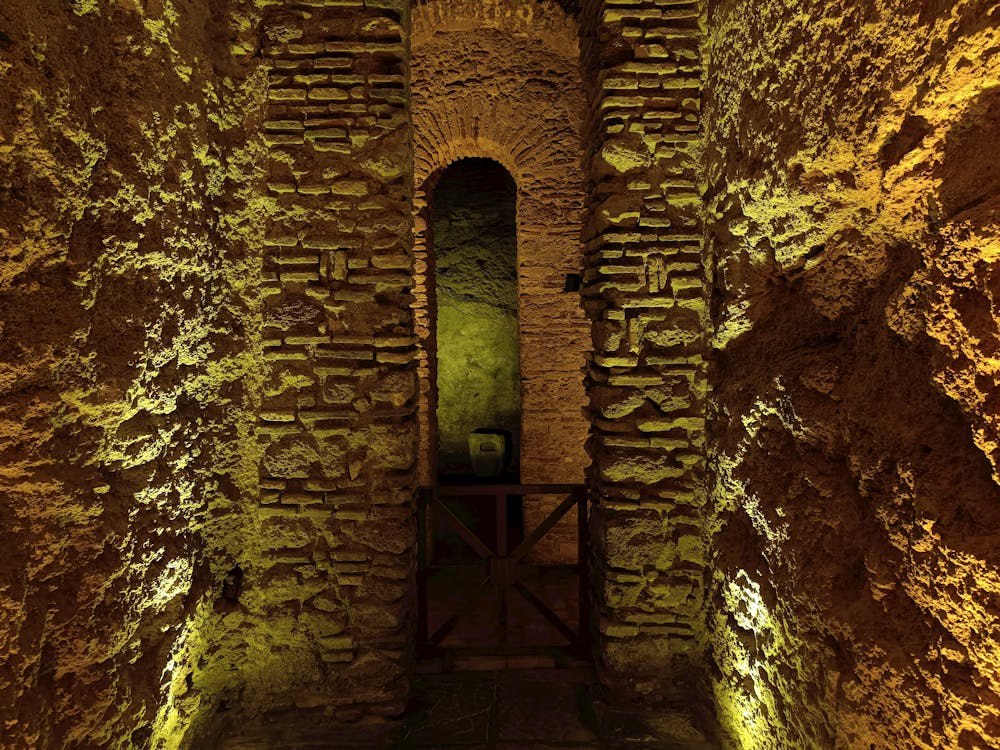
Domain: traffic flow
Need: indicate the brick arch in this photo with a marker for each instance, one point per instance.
(488, 84)
(426, 175)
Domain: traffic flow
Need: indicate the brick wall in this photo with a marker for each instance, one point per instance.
(337, 420)
(645, 294)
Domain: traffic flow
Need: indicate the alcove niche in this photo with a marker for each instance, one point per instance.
(475, 421)
(477, 361)
(525, 120)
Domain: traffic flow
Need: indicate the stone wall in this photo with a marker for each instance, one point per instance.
(525, 114)
(333, 585)
(645, 293)
(853, 191)
(128, 326)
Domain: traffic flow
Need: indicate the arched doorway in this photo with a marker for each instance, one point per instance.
(475, 514)
(472, 260)
(526, 115)
(473, 215)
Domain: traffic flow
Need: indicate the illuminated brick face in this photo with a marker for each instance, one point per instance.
(337, 418)
(644, 290)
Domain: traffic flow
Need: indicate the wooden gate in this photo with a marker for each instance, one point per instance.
(499, 567)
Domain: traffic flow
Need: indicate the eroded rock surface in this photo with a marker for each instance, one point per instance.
(127, 373)
(853, 191)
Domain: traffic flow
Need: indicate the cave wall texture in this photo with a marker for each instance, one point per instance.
(127, 361)
(216, 289)
(852, 195)
(206, 442)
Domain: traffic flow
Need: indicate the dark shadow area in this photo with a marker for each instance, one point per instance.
(971, 168)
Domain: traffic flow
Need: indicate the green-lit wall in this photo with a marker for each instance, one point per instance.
(475, 243)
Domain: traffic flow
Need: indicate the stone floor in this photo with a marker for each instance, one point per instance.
(544, 708)
(511, 709)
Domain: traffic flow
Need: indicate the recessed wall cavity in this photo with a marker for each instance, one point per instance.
(526, 114)
(475, 256)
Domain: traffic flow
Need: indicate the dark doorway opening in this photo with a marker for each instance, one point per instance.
(480, 590)
(477, 375)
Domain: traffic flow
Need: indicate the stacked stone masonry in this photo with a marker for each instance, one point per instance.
(644, 290)
(337, 417)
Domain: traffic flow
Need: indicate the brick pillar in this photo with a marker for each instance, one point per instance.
(645, 293)
(337, 421)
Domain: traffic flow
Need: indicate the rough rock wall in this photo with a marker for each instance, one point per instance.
(475, 249)
(500, 79)
(645, 293)
(127, 329)
(332, 587)
(853, 191)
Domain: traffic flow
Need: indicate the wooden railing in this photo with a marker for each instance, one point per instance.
(502, 563)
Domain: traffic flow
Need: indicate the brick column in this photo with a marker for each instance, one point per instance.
(646, 297)
(337, 421)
